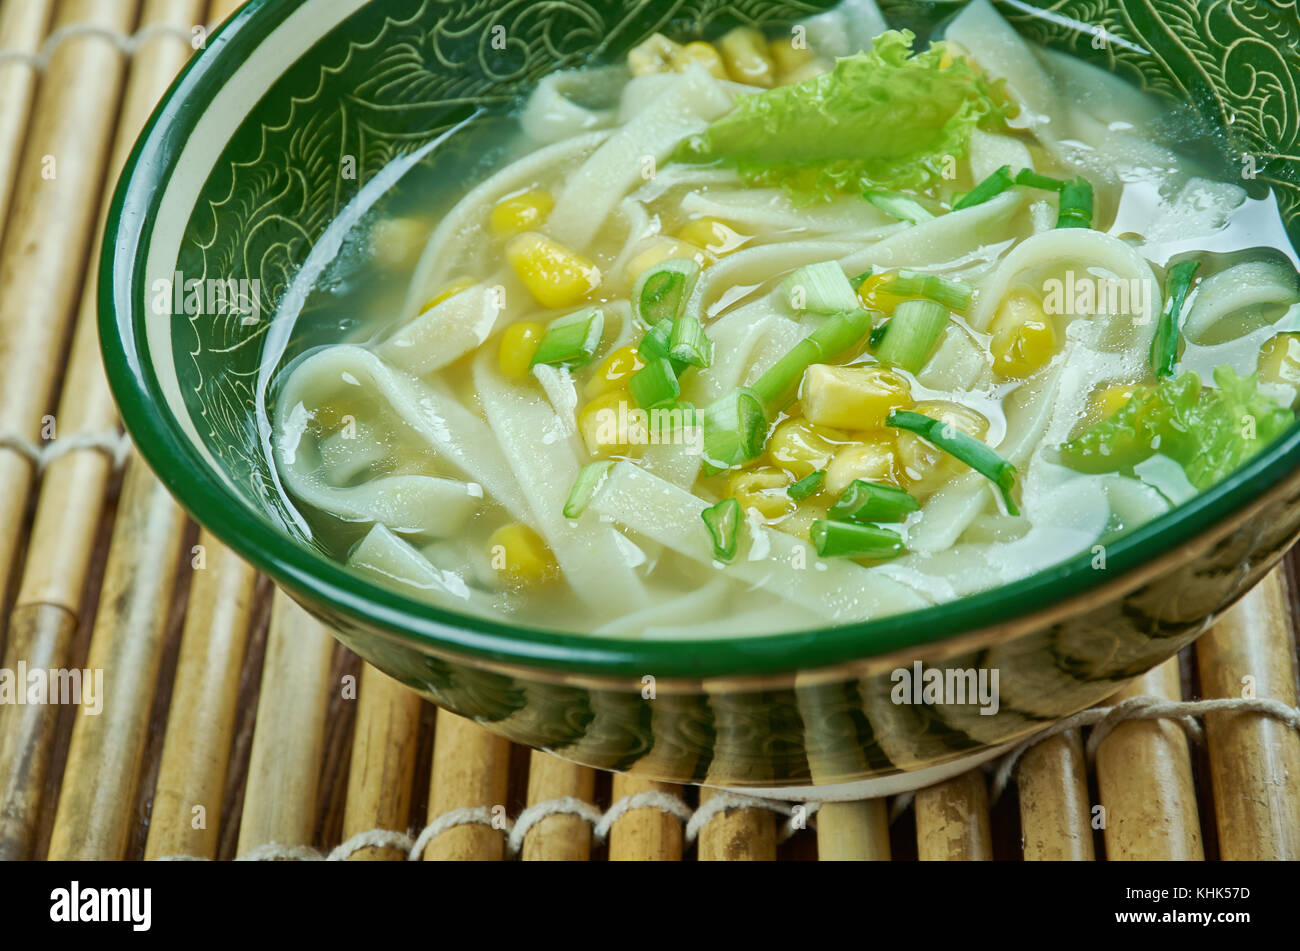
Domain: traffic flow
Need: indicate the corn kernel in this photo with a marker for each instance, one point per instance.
(598, 423)
(395, 243)
(809, 70)
(652, 56)
(1279, 360)
(1024, 338)
(762, 489)
(554, 275)
(1109, 400)
(661, 249)
(853, 397)
(451, 290)
(873, 295)
(702, 53)
(520, 555)
(873, 459)
(613, 373)
(787, 56)
(524, 211)
(714, 236)
(799, 522)
(745, 54)
(518, 344)
(801, 448)
(926, 466)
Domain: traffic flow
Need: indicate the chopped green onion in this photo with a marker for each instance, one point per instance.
(806, 486)
(654, 385)
(657, 343)
(898, 206)
(688, 344)
(589, 480)
(850, 540)
(856, 282)
(1164, 345)
(677, 418)
(777, 386)
(872, 502)
(960, 446)
(1027, 176)
(1075, 208)
(723, 523)
(994, 185)
(735, 429)
(820, 288)
(955, 295)
(837, 334)
(662, 291)
(572, 339)
(913, 331)
(877, 335)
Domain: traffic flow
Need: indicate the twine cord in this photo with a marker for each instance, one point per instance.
(115, 445)
(1102, 720)
(126, 43)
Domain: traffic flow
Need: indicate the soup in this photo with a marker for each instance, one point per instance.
(773, 332)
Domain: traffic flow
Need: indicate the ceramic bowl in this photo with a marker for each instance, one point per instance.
(242, 174)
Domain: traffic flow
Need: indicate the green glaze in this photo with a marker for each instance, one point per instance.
(810, 707)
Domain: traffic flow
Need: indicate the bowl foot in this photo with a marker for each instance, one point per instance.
(880, 786)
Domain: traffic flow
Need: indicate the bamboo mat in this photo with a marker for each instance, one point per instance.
(234, 726)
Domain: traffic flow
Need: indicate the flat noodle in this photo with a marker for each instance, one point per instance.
(1253, 284)
(779, 564)
(544, 460)
(1053, 251)
(773, 210)
(386, 558)
(434, 419)
(463, 229)
(632, 154)
(445, 332)
(552, 114)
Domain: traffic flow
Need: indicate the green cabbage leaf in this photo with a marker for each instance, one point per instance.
(884, 119)
(1209, 432)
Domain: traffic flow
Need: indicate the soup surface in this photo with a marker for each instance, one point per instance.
(771, 332)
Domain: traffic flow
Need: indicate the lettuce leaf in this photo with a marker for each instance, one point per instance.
(1209, 432)
(883, 119)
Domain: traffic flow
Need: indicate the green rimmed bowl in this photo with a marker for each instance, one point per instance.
(239, 176)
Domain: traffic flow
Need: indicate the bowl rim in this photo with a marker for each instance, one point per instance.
(314, 578)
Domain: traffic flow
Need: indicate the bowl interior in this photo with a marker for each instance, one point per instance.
(243, 189)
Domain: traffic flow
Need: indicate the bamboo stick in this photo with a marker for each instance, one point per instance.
(646, 834)
(70, 506)
(93, 820)
(1055, 814)
(1144, 776)
(952, 820)
(56, 194)
(382, 772)
(220, 10)
(41, 637)
(470, 770)
(853, 831)
(738, 835)
(1254, 760)
(22, 28)
(201, 722)
(563, 838)
(284, 765)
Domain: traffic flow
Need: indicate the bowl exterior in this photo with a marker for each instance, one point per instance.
(864, 720)
(293, 113)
